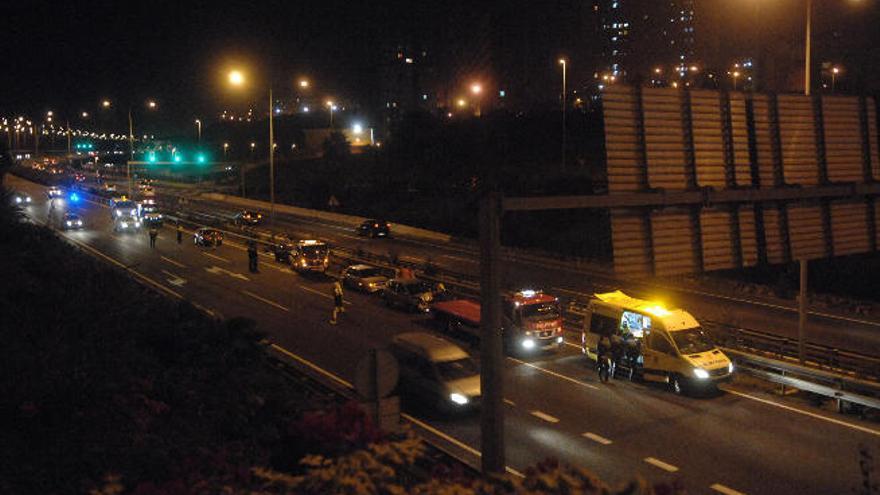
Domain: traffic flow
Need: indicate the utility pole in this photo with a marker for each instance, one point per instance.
(491, 339)
(272, 160)
(802, 311)
(807, 50)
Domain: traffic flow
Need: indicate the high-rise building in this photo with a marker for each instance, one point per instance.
(678, 33)
(613, 26)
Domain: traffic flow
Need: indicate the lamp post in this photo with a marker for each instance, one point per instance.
(236, 78)
(807, 47)
(331, 106)
(225, 149)
(477, 90)
(151, 104)
(564, 64)
(834, 72)
(199, 126)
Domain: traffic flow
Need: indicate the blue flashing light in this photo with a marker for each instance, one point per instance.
(74, 197)
(151, 157)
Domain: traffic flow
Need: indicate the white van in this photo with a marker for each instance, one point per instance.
(436, 370)
(657, 344)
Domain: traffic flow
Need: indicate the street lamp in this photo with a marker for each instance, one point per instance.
(834, 72)
(476, 90)
(151, 104)
(735, 75)
(332, 107)
(303, 83)
(225, 149)
(564, 65)
(236, 78)
(105, 103)
(199, 126)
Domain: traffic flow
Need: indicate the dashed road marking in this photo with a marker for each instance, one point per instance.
(660, 464)
(546, 417)
(267, 301)
(553, 373)
(509, 402)
(175, 263)
(216, 257)
(319, 293)
(718, 487)
(597, 438)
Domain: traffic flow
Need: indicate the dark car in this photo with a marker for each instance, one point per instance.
(71, 221)
(364, 277)
(409, 293)
(22, 199)
(153, 218)
(208, 237)
(247, 217)
(374, 228)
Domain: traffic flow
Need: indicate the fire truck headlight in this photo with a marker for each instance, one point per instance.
(528, 344)
(458, 399)
(701, 373)
(730, 368)
(69, 223)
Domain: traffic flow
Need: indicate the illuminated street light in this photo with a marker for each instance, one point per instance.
(236, 78)
(105, 103)
(735, 75)
(85, 115)
(357, 128)
(476, 88)
(834, 72)
(461, 102)
(49, 113)
(564, 65)
(199, 126)
(152, 105)
(303, 83)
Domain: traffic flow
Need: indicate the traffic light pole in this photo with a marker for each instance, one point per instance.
(491, 367)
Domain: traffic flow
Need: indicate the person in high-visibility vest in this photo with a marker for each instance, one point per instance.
(338, 303)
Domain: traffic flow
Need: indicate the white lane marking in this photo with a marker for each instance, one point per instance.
(718, 487)
(597, 438)
(313, 366)
(202, 308)
(455, 441)
(509, 402)
(259, 298)
(175, 263)
(553, 373)
(216, 257)
(854, 426)
(216, 270)
(546, 417)
(660, 464)
(175, 279)
(319, 293)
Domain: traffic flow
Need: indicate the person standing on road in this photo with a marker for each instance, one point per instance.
(179, 233)
(154, 232)
(252, 257)
(338, 303)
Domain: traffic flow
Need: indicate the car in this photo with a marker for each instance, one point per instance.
(436, 372)
(374, 228)
(71, 221)
(153, 219)
(108, 187)
(364, 277)
(247, 217)
(310, 255)
(20, 198)
(54, 192)
(208, 237)
(78, 177)
(408, 293)
(126, 223)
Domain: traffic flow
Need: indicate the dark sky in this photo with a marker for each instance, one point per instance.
(67, 56)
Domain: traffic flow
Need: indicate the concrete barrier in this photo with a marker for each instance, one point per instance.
(325, 216)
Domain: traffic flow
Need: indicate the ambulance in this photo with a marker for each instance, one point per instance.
(655, 343)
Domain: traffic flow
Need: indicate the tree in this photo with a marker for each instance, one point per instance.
(337, 149)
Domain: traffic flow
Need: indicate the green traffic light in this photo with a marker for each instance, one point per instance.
(178, 158)
(152, 157)
(200, 158)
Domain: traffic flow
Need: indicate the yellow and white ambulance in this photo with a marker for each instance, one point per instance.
(656, 343)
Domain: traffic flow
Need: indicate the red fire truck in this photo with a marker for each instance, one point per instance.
(530, 320)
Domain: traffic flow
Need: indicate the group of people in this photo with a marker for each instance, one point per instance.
(153, 232)
(618, 349)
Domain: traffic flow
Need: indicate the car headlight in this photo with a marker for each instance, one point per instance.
(137, 224)
(133, 211)
(79, 223)
(305, 263)
(458, 399)
(118, 213)
(701, 373)
(730, 367)
(528, 344)
(27, 199)
(18, 200)
(124, 225)
(559, 340)
(69, 223)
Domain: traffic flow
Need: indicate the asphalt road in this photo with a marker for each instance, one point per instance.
(741, 440)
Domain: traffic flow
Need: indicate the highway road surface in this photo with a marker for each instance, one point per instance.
(739, 440)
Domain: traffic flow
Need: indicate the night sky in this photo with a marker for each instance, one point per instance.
(67, 56)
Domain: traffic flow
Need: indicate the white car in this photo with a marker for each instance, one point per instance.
(54, 192)
(364, 277)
